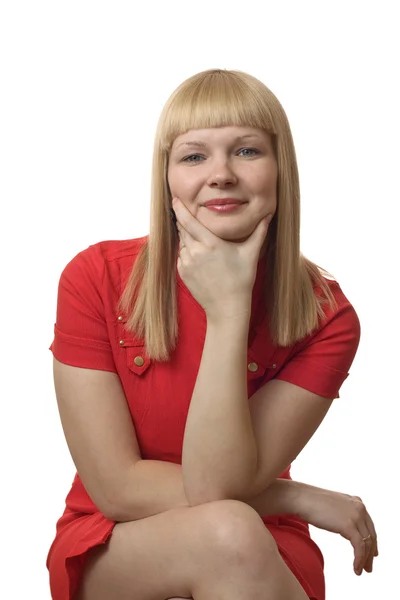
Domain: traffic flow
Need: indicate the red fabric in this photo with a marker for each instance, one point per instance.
(87, 334)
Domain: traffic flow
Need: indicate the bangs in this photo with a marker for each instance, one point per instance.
(216, 99)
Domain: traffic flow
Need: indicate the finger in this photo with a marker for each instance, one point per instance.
(370, 552)
(368, 542)
(359, 546)
(185, 241)
(258, 236)
(371, 528)
(372, 543)
(182, 247)
(191, 225)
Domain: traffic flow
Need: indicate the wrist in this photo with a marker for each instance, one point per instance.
(229, 313)
(296, 498)
(282, 496)
(306, 496)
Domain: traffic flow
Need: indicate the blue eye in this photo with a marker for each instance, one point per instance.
(191, 156)
(249, 150)
(188, 158)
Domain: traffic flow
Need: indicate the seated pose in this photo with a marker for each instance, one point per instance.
(193, 365)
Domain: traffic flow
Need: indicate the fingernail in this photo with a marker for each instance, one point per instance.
(269, 219)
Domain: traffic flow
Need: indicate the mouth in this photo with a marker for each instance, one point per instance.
(227, 207)
(223, 202)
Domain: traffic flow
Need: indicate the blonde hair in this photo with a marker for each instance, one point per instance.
(217, 98)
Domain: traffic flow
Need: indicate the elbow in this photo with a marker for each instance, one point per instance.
(112, 512)
(120, 514)
(199, 491)
(203, 495)
(260, 483)
(195, 499)
(114, 508)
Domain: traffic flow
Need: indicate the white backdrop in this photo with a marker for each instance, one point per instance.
(82, 86)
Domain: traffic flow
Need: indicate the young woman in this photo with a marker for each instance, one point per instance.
(192, 366)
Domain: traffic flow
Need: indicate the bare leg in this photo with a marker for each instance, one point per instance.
(219, 550)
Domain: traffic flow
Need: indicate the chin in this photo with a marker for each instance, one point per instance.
(229, 233)
(230, 236)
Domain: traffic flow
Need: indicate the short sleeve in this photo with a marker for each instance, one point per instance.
(323, 363)
(81, 336)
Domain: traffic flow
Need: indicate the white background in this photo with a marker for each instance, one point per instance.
(82, 87)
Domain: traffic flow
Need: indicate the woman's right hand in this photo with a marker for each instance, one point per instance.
(343, 514)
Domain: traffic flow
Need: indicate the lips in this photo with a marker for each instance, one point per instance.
(222, 201)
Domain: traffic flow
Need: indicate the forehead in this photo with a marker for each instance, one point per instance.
(220, 135)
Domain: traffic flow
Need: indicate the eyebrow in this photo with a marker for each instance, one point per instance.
(240, 138)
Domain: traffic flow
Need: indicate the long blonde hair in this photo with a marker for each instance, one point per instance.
(217, 98)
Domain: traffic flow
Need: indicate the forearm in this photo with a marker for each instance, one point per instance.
(150, 487)
(219, 457)
(153, 487)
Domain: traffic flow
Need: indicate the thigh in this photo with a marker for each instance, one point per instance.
(140, 560)
(162, 556)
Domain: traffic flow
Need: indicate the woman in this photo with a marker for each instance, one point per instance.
(192, 366)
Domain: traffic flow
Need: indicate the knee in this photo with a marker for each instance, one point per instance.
(239, 533)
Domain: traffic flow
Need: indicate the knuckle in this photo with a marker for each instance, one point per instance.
(356, 500)
(360, 508)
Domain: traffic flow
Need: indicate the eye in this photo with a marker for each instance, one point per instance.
(191, 156)
(249, 150)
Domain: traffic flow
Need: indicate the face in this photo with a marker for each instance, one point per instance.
(225, 162)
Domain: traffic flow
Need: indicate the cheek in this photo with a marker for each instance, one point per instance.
(266, 189)
(174, 178)
(181, 183)
(264, 180)
(171, 177)
(270, 185)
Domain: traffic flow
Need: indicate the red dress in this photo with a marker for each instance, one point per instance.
(90, 333)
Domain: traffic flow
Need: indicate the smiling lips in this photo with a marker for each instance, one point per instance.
(223, 208)
(223, 202)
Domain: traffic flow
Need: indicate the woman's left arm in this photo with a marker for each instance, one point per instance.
(235, 447)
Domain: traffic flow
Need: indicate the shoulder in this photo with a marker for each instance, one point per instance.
(337, 336)
(109, 251)
(344, 315)
(101, 257)
(321, 361)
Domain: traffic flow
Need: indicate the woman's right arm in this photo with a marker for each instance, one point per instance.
(102, 441)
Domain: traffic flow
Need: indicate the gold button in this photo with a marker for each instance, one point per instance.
(121, 342)
(139, 361)
(252, 367)
(120, 318)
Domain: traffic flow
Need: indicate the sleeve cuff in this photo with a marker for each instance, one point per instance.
(78, 352)
(324, 382)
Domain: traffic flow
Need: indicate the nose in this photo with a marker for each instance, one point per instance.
(221, 174)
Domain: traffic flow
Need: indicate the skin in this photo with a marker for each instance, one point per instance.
(225, 167)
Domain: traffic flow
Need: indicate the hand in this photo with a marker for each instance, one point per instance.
(346, 515)
(219, 274)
